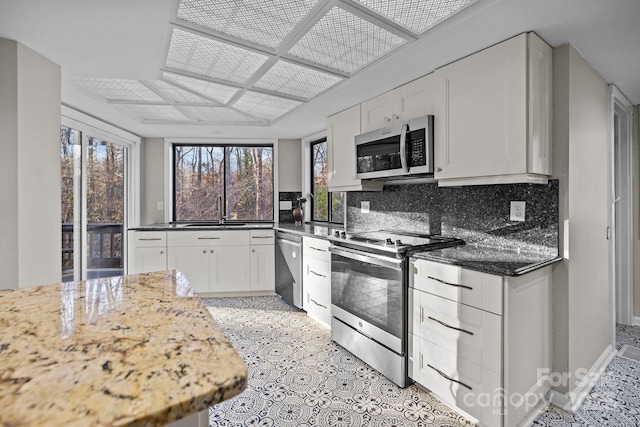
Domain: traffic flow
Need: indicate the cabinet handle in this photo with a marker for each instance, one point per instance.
(317, 274)
(387, 119)
(204, 252)
(253, 250)
(448, 377)
(449, 326)
(208, 238)
(421, 361)
(161, 252)
(212, 251)
(316, 249)
(317, 303)
(150, 238)
(262, 237)
(421, 314)
(395, 117)
(438, 169)
(450, 284)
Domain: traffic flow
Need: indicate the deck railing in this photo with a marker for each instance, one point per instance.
(104, 247)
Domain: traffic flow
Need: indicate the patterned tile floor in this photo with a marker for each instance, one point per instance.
(299, 377)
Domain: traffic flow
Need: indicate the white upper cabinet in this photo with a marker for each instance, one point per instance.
(342, 129)
(493, 115)
(403, 103)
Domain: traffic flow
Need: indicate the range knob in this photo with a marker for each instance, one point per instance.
(389, 242)
(337, 234)
(343, 235)
(399, 243)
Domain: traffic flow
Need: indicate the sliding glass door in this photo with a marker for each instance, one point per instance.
(93, 185)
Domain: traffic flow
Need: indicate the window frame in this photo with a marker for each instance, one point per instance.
(310, 179)
(169, 176)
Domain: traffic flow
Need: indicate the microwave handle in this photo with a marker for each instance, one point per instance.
(403, 147)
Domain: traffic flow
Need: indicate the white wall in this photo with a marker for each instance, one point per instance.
(30, 99)
(289, 165)
(581, 286)
(152, 165)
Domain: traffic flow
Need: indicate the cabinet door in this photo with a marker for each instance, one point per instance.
(193, 262)
(342, 129)
(481, 113)
(415, 98)
(263, 268)
(381, 111)
(149, 259)
(230, 269)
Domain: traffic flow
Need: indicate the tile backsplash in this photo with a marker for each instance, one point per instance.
(478, 214)
(286, 215)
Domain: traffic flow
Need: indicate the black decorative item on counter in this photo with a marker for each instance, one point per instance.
(286, 215)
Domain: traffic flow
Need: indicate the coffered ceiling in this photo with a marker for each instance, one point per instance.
(277, 68)
(238, 62)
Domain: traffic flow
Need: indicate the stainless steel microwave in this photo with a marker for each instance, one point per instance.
(398, 150)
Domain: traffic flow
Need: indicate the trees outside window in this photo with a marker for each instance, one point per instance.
(241, 175)
(326, 206)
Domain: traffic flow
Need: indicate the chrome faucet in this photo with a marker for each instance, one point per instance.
(221, 217)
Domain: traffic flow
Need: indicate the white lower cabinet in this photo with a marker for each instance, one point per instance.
(316, 270)
(148, 251)
(263, 260)
(230, 269)
(193, 262)
(481, 342)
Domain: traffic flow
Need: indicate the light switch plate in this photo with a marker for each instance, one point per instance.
(364, 207)
(517, 211)
(160, 206)
(285, 205)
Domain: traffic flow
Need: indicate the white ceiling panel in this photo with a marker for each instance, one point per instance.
(266, 23)
(155, 112)
(264, 106)
(117, 89)
(177, 94)
(343, 41)
(216, 114)
(416, 15)
(217, 92)
(205, 56)
(292, 79)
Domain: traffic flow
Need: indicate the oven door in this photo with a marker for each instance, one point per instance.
(369, 294)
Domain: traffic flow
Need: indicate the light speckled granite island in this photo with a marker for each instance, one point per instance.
(138, 350)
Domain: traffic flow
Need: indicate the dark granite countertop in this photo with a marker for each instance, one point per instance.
(184, 226)
(310, 230)
(492, 260)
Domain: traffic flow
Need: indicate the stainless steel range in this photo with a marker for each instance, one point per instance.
(369, 295)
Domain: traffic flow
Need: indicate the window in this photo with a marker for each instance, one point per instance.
(241, 177)
(325, 205)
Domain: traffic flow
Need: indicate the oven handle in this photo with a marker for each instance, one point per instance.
(382, 261)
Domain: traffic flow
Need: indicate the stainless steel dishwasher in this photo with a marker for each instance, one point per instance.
(289, 267)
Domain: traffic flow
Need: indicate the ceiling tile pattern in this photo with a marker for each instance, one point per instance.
(416, 15)
(265, 106)
(202, 55)
(214, 91)
(266, 23)
(293, 79)
(344, 41)
(253, 61)
(117, 89)
(216, 114)
(155, 112)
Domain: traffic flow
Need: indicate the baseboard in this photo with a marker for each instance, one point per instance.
(636, 320)
(572, 400)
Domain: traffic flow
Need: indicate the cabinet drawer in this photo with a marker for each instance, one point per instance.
(459, 382)
(316, 248)
(466, 332)
(147, 239)
(208, 238)
(317, 278)
(262, 237)
(468, 287)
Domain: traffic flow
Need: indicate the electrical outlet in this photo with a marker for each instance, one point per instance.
(364, 207)
(517, 211)
(160, 206)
